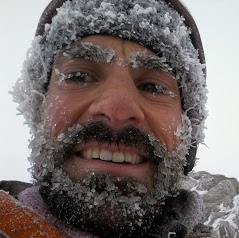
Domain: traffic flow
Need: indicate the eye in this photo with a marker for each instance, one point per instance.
(78, 77)
(155, 89)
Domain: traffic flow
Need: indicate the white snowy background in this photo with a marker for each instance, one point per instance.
(218, 22)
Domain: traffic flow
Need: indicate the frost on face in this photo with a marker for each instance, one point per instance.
(88, 51)
(152, 24)
(129, 203)
(142, 59)
(184, 133)
(78, 75)
(188, 70)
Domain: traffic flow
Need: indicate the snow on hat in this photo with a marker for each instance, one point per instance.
(164, 26)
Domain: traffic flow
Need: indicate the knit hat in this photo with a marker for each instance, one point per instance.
(51, 10)
(164, 26)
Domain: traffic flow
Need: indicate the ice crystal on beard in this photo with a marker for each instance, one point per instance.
(73, 131)
(184, 133)
(157, 144)
(93, 199)
(110, 186)
(141, 188)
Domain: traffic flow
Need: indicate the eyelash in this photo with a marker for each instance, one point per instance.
(84, 78)
(78, 77)
(156, 89)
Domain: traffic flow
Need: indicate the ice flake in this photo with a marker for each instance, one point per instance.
(144, 24)
(166, 31)
(121, 62)
(110, 186)
(138, 10)
(136, 206)
(88, 51)
(164, 91)
(105, 6)
(110, 14)
(141, 188)
(167, 18)
(142, 59)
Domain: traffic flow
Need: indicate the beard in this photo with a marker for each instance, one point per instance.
(105, 204)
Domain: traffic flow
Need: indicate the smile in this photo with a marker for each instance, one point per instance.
(110, 156)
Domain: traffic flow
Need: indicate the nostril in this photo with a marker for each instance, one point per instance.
(132, 118)
(103, 116)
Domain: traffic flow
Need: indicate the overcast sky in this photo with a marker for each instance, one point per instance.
(217, 21)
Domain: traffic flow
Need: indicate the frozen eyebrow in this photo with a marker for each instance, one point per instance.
(142, 59)
(88, 51)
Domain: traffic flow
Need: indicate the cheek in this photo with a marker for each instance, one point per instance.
(60, 113)
(164, 124)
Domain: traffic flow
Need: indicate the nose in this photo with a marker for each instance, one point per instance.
(117, 102)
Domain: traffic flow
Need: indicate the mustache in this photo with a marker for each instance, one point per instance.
(101, 133)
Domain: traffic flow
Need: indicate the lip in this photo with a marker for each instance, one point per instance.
(75, 165)
(110, 147)
(112, 153)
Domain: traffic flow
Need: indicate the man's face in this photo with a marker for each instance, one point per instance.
(118, 94)
(129, 110)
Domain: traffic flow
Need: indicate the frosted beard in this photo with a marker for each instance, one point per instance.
(105, 204)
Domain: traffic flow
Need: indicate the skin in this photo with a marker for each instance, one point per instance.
(118, 95)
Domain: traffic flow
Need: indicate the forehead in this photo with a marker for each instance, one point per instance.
(122, 47)
(99, 45)
(109, 49)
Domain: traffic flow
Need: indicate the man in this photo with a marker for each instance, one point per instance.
(114, 93)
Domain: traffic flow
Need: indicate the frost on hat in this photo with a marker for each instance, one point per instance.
(153, 23)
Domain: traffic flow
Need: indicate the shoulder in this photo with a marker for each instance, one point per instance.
(14, 187)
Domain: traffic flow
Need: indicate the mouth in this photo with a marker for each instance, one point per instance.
(107, 155)
(113, 159)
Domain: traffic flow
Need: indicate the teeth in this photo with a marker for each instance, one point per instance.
(128, 157)
(133, 160)
(88, 154)
(84, 154)
(106, 155)
(96, 153)
(117, 157)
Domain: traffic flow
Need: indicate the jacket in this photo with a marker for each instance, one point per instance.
(20, 221)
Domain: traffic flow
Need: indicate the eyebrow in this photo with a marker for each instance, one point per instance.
(154, 62)
(94, 52)
(88, 51)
